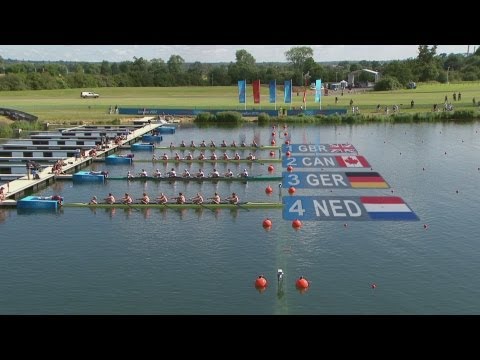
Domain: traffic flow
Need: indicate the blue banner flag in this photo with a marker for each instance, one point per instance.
(273, 91)
(318, 90)
(288, 92)
(242, 84)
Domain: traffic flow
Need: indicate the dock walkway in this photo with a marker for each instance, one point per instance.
(26, 185)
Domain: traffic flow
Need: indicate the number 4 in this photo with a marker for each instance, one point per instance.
(297, 208)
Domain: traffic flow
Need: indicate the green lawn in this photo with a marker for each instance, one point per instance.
(66, 105)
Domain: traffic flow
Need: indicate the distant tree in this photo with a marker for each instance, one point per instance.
(297, 56)
(244, 58)
(428, 66)
(219, 76)
(105, 68)
(175, 64)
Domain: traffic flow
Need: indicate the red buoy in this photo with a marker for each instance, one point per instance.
(273, 142)
(296, 224)
(270, 168)
(288, 153)
(260, 282)
(272, 153)
(268, 189)
(374, 286)
(267, 223)
(289, 168)
(301, 283)
(291, 190)
(287, 142)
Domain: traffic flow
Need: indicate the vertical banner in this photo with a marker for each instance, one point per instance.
(318, 90)
(288, 92)
(273, 91)
(256, 92)
(241, 91)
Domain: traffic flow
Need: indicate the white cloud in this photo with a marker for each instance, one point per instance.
(212, 53)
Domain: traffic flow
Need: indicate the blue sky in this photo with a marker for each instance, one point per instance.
(213, 53)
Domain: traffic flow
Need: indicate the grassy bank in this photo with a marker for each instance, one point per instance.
(60, 106)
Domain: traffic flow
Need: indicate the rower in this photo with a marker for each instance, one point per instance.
(225, 156)
(189, 156)
(192, 144)
(182, 144)
(229, 173)
(186, 173)
(127, 199)
(212, 144)
(223, 144)
(254, 143)
(157, 173)
(250, 156)
(234, 144)
(93, 201)
(215, 199)
(180, 199)
(171, 146)
(198, 199)
(203, 144)
(200, 174)
(201, 156)
(145, 199)
(244, 173)
(129, 175)
(162, 199)
(177, 156)
(143, 173)
(215, 173)
(164, 156)
(110, 199)
(243, 144)
(237, 156)
(172, 173)
(58, 198)
(213, 156)
(233, 199)
(154, 157)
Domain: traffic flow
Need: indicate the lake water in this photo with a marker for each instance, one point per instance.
(82, 261)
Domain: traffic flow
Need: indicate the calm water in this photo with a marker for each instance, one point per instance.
(82, 261)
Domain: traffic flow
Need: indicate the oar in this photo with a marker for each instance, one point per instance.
(238, 204)
(203, 206)
(130, 206)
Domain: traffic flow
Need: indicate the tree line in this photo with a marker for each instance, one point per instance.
(299, 66)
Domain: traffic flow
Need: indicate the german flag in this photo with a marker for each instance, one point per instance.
(368, 179)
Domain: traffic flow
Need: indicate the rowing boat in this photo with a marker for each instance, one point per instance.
(232, 161)
(191, 148)
(247, 205)
(192, 178)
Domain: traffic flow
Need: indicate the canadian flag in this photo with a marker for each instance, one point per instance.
(352, 161)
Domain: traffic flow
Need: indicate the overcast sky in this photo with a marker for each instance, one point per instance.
(213, 53)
